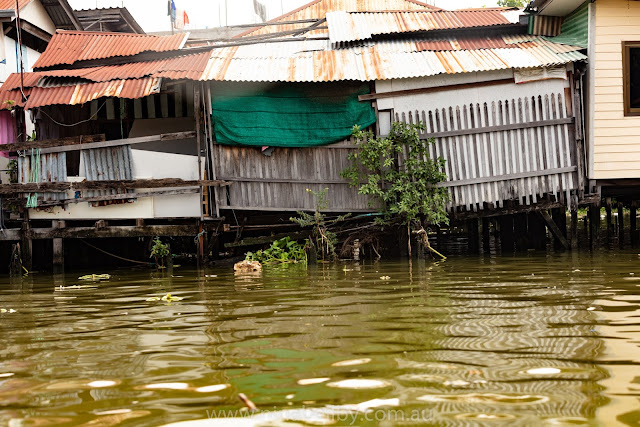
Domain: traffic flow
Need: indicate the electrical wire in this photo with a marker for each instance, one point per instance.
(116, 256)
(74, 124)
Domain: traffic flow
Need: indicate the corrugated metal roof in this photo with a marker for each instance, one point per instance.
(348, 27)
(11, 4)
(68, 47)
(318, 9)
(575, 28)
(82, 93)
(389, 59)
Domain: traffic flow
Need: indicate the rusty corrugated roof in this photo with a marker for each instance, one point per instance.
(317, 61)
(318, 9)
(69, 47)
(80, 93)
(11, 4)
(348, 27)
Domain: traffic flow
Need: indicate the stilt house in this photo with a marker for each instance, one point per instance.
(138, 127)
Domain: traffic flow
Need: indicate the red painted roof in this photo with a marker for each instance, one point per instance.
(11, 4)
(68, 47)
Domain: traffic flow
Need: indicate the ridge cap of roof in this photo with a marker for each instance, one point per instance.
(313, 2)
(111, 33)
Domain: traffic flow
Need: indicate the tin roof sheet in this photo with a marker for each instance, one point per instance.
(318, 9)
(68, 47)
(80, 93)
(391, 59)
(11, 4)
(348, 27)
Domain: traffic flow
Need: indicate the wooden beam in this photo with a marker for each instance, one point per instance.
(60, 142)
(125, 196)
(58, 187)
(111, 231)
(509, 177)
(408, 92)
(118, 142)
(488, 213)
(35, 31)
(487, 129)
(554, 229)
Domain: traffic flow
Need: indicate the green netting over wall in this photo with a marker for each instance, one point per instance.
(288, 114)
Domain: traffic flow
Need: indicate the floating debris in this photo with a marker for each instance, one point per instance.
(7, 374)
(311, 381)
(74, 287)
(95, 277)
(591, 309)
(212, 388)
(359, 384)
(167, 298)
(352, 362)
(4, 310)
(385, 277)
(247, 402)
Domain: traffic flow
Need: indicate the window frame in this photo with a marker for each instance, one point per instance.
(626, 77)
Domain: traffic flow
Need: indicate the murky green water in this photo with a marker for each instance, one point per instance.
(540, 340)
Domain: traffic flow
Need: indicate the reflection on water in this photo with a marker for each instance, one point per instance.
(497, 341)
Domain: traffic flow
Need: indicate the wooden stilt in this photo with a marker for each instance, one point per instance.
(473, 236)
(574, 229)
(632, 223)
(58, 249)
(607, 207)
(506, 234)
(555, 230)
(486, 235)
(26, 248)
(620, 224)
(559, 217)
(594, 225)
(520, 232)
(537, 231)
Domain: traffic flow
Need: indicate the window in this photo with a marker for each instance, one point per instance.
(631, 75)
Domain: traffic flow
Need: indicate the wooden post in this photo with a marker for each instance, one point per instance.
(607, 207)
(486, 235)
(620, 224)
(473, 235)
(555, 230)
(196, 112)
(200, 243)
(520, 231)
(594, 225)
(58, 248)
(26, 247)
(559, 217)
(574, 228)
(506, 233)
(632, 223)
(538, 232)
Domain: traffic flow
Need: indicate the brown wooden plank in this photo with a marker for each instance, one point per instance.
(74, 140)
(118, 142)
(499, 128)
(57, 187)
(112, 231)
(407, 92)
(126, 196)
(518, 175)
(553, 227)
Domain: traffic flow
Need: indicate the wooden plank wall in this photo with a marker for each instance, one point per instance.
(279, 182)
(512, 149)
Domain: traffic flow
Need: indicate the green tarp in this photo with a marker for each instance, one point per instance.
(288, 114)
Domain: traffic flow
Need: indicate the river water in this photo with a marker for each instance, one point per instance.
(534, 340)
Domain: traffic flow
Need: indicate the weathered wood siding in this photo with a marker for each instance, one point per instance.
(512, 149)
(616, 138)
(279, 182)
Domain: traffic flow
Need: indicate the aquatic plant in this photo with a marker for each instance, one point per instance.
(324, 240)
(159, 251)
(406, 191)
(282, 251)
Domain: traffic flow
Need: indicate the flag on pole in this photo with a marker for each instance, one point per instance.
(260, 10)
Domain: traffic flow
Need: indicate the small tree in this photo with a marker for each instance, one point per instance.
(512, 3)
(406, 190)
(159, 251)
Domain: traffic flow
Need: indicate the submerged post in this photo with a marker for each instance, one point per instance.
(594, 225)
(620, 224)
(58, 248)
(632, 223)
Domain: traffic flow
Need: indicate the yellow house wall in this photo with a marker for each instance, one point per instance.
(616, 137)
